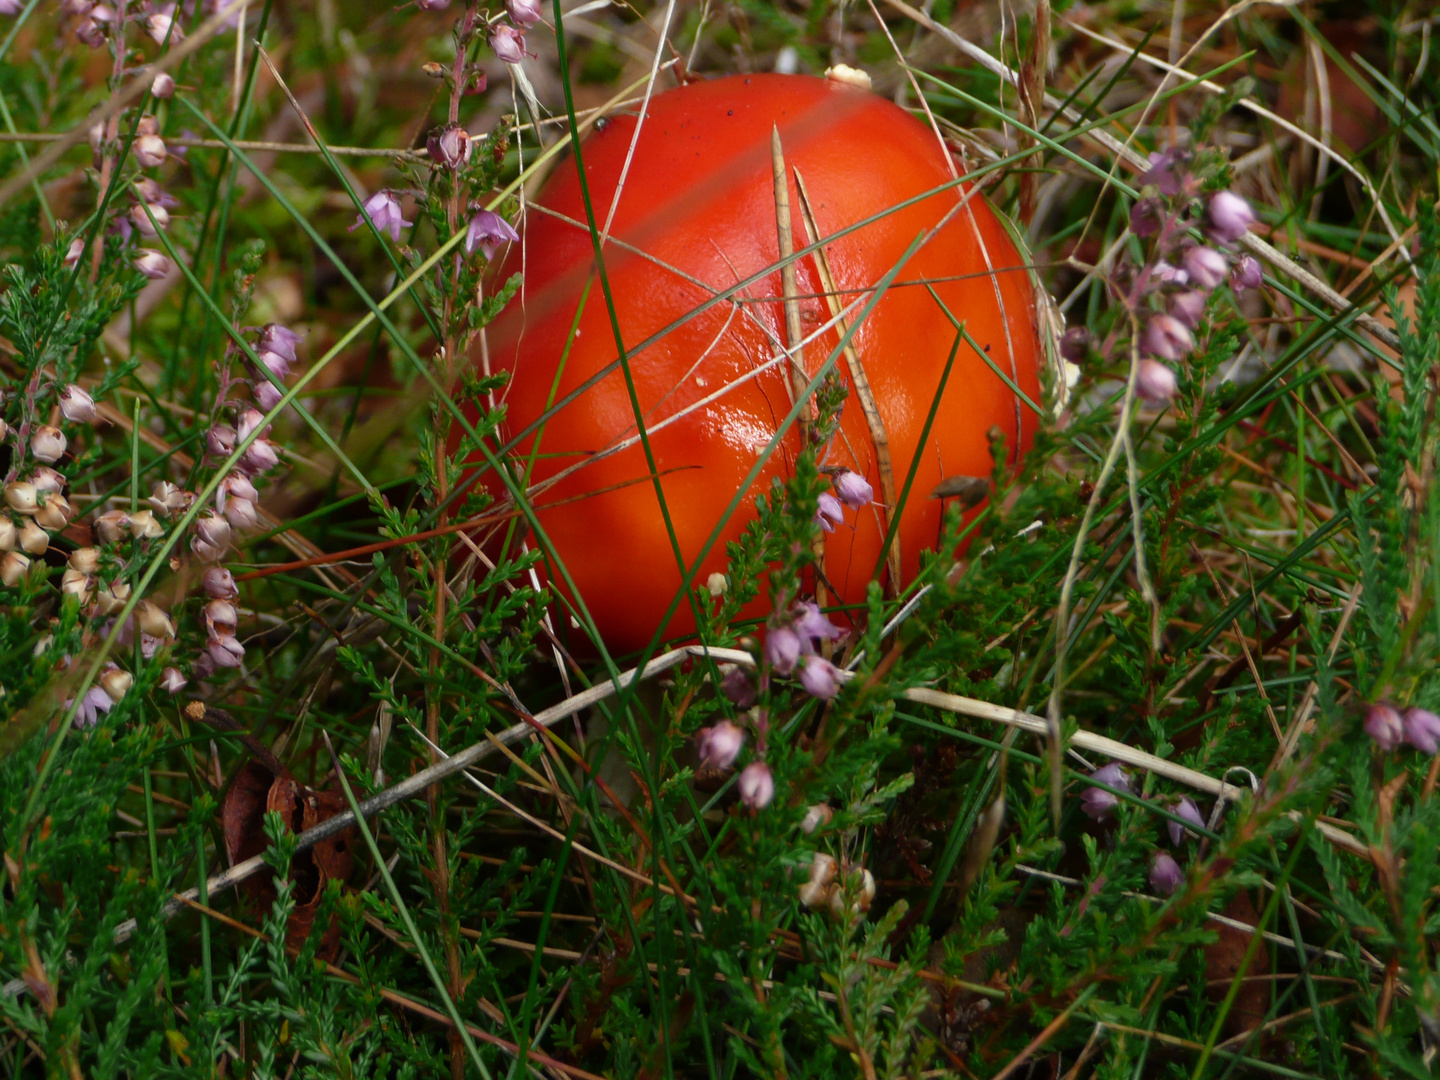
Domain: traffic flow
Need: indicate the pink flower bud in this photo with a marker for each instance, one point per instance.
(21, 497)
(219, 618)
(507, 43)
(152, 264)
(111, 526)
(143, 525)
(13, 566)
(738, 687)
(812, 625)
(153, 621)
(259, 457)
(487, 231)
(93, 705)
(1186, 809)
(1097, 803)
(76, 405)
(32, 538)
(47, 481)
(1384, 724)
(163, 29)
(1165, 171)
(220, 440)
(432, 5)
(1112, 775)
(1167, 338)
(1155, 382)
(149, 151)
(266, 394)
(166, 499)
(163, 86)
(91, 32)
(219, 583)
(250, 420)
(524, 13)
(1230, 216)
(54, 513)
(1145, 218)
(1247, 274)
(212, 537)
(756, 785)
(84, 560)
(820, 678)
(74, 583)
(1422, 729)
(225, 652)
(782, 649)
(73, 253)
(827, 510)
(1188, 307)
(1165, 874)
(1166, 274)
(279, 340)
(171, 681)
(853, 489)
(110, 597)
(47, 443)
(816, 817)
(719, 746)
(1206, 266)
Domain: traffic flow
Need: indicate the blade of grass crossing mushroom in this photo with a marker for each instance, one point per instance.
(863, 393)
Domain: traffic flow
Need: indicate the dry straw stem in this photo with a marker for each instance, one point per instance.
(138, 87)
(963, 706)
(1256, 245)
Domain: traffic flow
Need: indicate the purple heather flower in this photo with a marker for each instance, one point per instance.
(719, 746)
(1188, 307)
(1206, 266)
(1167, 338)
(854, 490)
(47, 443)
(163, 87)
(507, 43)
(1246, 275)
(828, 510)
(1112, 775)
(1230, 216)
(1384, 724)
(266, 394)
(1186, 809)
(75, 250)
(820, 678)
(432, 5)
(220, 440)
(738, 688)
(171, 681)
(1145, 218)
(212, 537)
(757, 786)
(95, 702)
(451, 147)
(1165, 874)
(782, 648)
(1097, 803)
(152, 264)
(1422, 729)
(235, 498)
(279, 340)
(150, 190)
(811, 624)
(1155, 382)
(487, 231)
(259, 457)
(523, 13)
(225, 651)
(11, 7)
(1163, 172)
(384, 212)
(1166, 274)
(152, 223)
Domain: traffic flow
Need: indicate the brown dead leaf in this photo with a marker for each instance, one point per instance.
(1222, 963)
(256, 790)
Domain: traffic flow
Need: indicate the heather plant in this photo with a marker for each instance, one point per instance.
(314, 763)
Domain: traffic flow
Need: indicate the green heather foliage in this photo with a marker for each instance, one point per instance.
(1257, 565)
